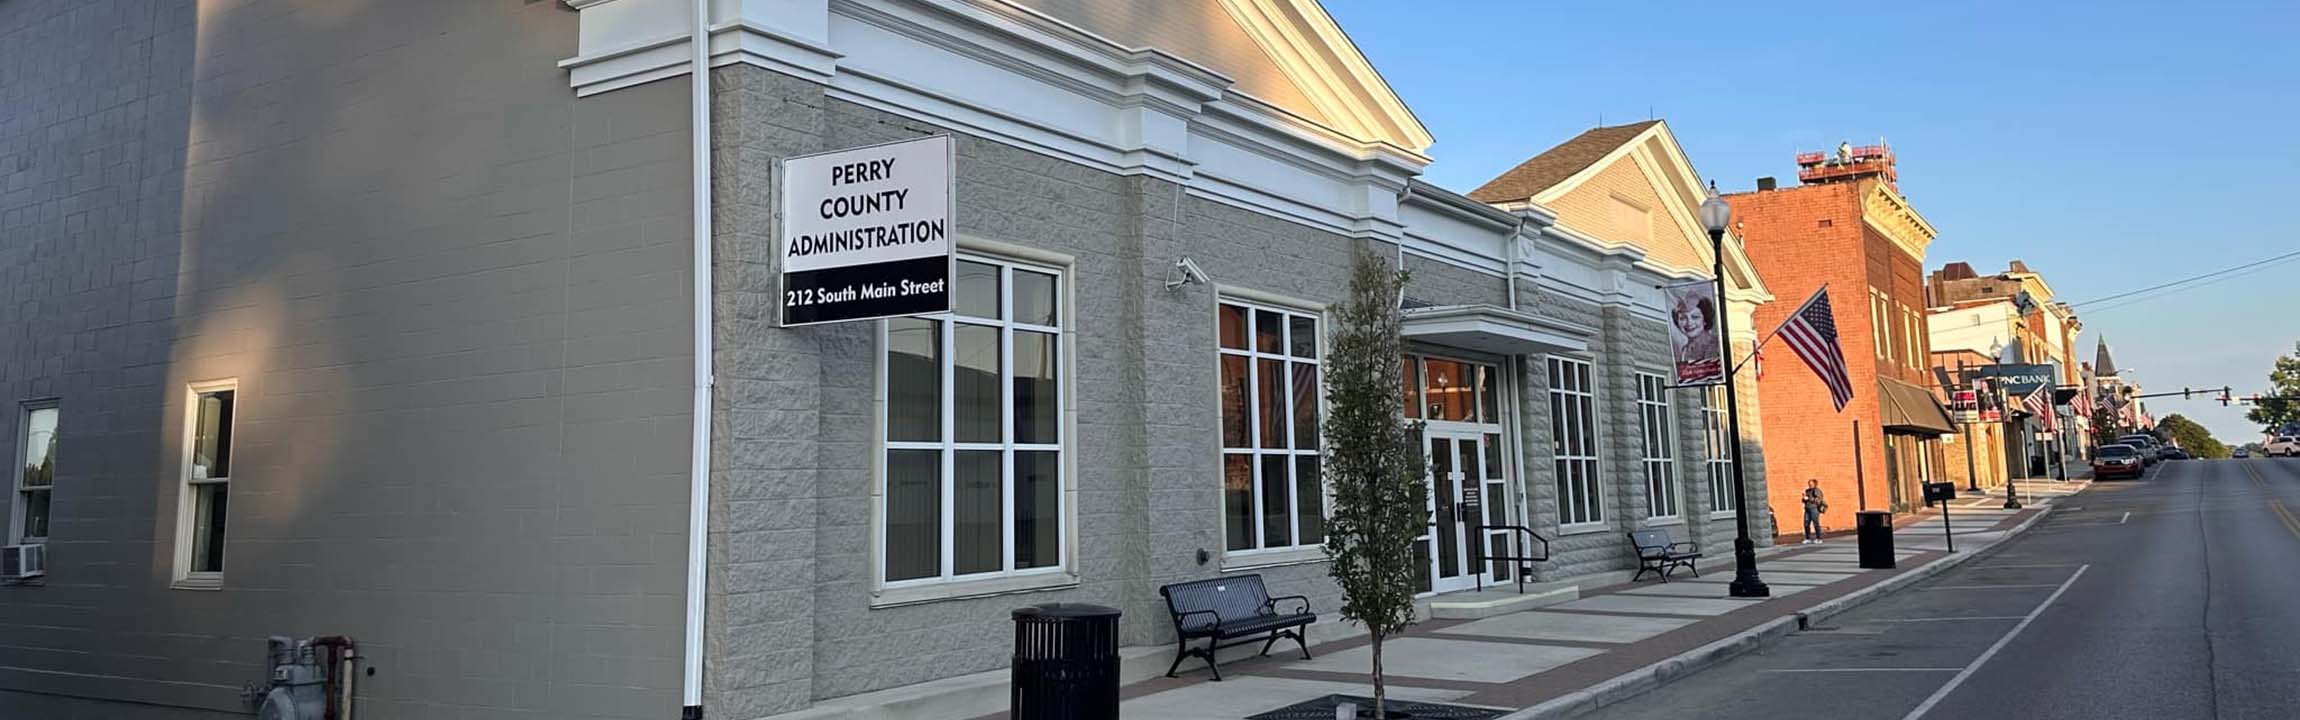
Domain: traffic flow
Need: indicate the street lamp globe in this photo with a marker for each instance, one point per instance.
(1715, 214)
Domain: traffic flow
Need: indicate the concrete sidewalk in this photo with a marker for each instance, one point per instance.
(1612, 643)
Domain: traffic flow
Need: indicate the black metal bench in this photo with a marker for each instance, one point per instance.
(1658, 553)
(1230, 611)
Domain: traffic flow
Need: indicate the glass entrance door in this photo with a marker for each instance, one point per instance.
(1467, 494)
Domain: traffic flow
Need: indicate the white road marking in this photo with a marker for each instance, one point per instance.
(1861, 670)
(1987, 587)
(2031, 565)
(1975, 665)
(1954, 619)
(2127, 516)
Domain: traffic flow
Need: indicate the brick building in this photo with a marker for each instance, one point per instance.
(2011, 317)
(1847, 228)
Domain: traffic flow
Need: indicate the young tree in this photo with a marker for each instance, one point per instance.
(2277, 407)
(1373, 461)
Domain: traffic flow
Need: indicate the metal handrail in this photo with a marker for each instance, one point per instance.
(1517, 551)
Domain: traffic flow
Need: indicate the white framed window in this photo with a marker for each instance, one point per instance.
(1273, 490)
(204, 494)
(974, 481)
(1717, 451)
(1880, 324)
(1573, 440)
(1656, 456)
(36, 474)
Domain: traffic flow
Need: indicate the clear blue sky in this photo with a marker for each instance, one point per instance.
(2111, 146)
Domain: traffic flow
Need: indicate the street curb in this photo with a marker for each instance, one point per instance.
(1637, 682)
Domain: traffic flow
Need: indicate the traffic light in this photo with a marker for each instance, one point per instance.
(2224, 396)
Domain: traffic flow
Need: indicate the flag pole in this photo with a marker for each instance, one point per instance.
(1760, 344)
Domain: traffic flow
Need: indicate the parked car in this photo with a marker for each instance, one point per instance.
(2115, 461)
(2240, 452)
(2282, 446)
(2143, 445)
(2173, 452)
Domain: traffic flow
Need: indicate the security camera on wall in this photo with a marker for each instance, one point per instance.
(1185, 272)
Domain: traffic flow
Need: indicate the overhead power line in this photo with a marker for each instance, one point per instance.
(2245, 268)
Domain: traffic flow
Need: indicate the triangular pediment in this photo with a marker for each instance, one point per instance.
(1287, 54)
(1630, 186)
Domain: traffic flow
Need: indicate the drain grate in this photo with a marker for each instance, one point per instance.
(1323, 709)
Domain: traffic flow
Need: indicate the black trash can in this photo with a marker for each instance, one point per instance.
(1874, 529)
(1065, 662)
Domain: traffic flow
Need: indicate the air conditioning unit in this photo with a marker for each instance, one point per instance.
(19, 562)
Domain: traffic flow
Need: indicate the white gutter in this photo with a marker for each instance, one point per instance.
(699, 461)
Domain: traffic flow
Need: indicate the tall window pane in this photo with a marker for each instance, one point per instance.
(208, 527)
(1270, 401)
(1716, 439)
(1305, 406)
(974, 381)
(1238, 500)
(1037, 508)
(1234, 408)
(1412, 397)
(978, 538)
(913, 514)
(1037, 410)
(1277, 511)
(914, 380)
(1310, 492)
(212, 438)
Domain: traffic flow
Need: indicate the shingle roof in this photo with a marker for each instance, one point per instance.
(1553, 166)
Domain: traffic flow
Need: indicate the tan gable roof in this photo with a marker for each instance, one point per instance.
(1553, 166)
(1589, 206)
(1198, 30)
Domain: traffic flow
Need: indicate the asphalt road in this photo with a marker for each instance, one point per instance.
(2187, 607)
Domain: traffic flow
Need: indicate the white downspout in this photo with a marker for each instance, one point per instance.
(699, 462)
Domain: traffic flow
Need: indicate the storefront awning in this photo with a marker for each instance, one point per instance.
(1495, 330)
(1912, 409)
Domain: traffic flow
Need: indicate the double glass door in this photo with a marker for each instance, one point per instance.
(1468, 494)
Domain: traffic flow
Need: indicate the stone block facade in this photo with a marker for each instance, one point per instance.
(795, 615)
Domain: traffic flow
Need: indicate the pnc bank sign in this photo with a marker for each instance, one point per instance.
(2019, 380)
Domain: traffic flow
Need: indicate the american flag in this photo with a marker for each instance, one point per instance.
(2039, 403)
(1812, 333)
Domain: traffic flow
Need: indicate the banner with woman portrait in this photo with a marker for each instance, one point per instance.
(1694, 315)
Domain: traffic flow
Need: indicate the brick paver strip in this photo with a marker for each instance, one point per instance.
(1531, 691)
(1618, 658)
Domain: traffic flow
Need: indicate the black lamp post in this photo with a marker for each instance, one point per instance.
(1716, 216)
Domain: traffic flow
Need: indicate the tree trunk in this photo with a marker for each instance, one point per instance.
(1381, 695)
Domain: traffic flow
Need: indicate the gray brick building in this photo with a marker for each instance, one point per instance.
(378, 321)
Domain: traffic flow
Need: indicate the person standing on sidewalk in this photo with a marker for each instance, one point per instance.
(1814, 506)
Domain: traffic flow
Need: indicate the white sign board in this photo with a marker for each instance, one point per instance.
(867, 232)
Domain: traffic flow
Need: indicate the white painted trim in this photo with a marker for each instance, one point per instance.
(17, 508)
(184, 578)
